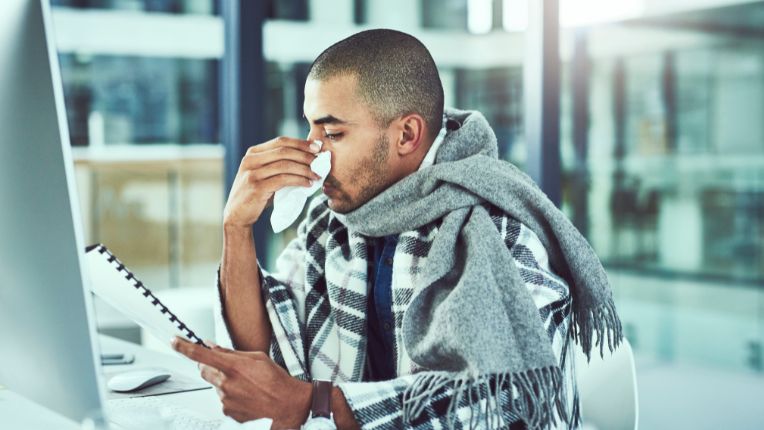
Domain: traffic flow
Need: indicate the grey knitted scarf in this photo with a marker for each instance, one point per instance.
(472, 314)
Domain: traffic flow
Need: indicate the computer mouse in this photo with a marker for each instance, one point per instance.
(134, 380)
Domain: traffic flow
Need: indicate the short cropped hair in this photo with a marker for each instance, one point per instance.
(396, 75)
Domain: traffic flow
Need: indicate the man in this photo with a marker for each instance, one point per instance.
(421, 282)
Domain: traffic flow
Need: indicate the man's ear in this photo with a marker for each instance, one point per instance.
(412, 131)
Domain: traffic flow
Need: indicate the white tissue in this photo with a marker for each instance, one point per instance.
(289, 201)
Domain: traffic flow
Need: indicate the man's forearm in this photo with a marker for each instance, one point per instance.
(245, 312)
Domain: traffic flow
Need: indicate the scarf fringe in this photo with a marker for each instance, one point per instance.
(540, 390)
(602, 320)
(540, 394)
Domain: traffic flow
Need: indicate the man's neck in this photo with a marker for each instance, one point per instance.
(429, 157)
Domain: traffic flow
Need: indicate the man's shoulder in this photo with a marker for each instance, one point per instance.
(505, 223)
(518, 237)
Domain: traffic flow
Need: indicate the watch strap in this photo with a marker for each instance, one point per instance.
(321, 404)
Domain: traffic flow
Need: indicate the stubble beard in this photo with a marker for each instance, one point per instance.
(371, 173)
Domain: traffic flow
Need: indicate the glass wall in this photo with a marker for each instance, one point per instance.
(141, 86)
(140, 100)
(674, 185)
(663, 167)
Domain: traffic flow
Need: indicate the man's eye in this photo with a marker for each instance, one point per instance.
(332, 136)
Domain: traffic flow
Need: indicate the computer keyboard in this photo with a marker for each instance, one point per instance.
(153, 412)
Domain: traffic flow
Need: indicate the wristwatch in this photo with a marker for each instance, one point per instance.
(321, 408)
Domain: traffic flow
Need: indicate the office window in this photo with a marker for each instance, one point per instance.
(673, 186)
(293, 10)
(663, 170)
(140, 100)
(498, 94)
(706, 169)
(141, 87)
(449, 14)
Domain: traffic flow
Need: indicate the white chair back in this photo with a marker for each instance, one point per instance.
(608, 389)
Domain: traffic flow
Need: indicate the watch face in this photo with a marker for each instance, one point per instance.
(319, 423)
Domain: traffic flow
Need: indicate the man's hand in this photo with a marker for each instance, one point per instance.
(251, 385)
(264, 170)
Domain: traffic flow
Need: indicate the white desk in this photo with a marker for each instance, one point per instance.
(22, 414)
(18, 413)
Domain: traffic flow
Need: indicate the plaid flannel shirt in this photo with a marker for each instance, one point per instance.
(316, 303)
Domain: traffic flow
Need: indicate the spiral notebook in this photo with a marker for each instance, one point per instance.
(112, 282)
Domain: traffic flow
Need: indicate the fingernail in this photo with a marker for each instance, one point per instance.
(314, 147)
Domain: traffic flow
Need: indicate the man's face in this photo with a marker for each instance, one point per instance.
(360, 149)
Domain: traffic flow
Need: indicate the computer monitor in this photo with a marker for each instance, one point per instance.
(46, 329)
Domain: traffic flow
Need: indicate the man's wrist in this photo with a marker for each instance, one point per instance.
(236, 231)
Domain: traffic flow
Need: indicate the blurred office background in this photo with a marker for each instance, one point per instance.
(660, 151)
